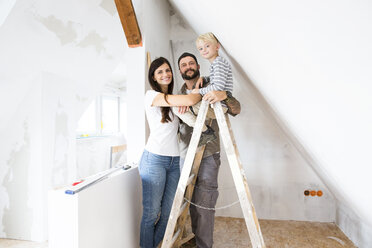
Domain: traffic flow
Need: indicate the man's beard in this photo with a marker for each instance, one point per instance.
(194, 75)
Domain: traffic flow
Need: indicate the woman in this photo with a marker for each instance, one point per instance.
(159, 166)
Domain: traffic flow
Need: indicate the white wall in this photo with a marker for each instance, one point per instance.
(21, 179)
(153, 18)
(310, 61)
(47, 36)
(55, 58)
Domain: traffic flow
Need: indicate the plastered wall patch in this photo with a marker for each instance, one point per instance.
(95, 40)
(66, 33)
(61, 145)
(108, 6)
(17, 217)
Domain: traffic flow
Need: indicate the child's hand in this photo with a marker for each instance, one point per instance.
(215, 96)
(199, 83)
(195, 91)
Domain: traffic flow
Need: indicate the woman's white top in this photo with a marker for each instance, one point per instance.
(163, 136)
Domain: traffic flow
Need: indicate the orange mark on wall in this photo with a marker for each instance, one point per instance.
(308, 192)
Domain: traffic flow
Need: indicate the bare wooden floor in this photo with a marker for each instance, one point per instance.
(232, 233)
(10, 243)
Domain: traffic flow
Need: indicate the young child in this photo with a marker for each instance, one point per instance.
(220, 73)
(220, 79)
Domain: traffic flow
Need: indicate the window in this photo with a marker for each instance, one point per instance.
(123, 116)
(87, 122)
(110, 114)
(106, 115)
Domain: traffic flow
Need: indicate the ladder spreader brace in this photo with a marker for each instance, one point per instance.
(179, 211)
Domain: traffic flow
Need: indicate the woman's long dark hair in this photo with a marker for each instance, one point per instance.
(155, 86)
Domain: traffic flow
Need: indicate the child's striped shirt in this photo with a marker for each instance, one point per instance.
(220, 77)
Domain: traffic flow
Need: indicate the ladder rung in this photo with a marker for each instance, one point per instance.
(184, 205)
(175, 237)
(190, 179)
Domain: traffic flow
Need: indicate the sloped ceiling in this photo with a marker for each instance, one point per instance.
(5, 8)
(61, 38)
(311, 61)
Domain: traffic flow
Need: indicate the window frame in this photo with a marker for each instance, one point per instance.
(120, 97)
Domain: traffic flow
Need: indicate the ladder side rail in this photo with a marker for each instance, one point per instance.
(188, 194)
(245, 180)
(239, 180)
(178, 198)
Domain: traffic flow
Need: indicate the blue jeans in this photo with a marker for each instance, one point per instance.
(159, 175)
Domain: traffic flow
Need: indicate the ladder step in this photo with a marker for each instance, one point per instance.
(175, 237)
(184, 205)
(190, 179)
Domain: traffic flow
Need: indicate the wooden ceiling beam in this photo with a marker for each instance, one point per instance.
(129, 22)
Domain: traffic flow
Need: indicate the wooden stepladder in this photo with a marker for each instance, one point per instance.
(176, 222)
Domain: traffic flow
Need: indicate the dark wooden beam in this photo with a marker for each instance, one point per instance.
(129, 21)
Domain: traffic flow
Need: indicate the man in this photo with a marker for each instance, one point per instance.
(206, 187)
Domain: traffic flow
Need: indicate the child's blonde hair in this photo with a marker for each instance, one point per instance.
(207, 37)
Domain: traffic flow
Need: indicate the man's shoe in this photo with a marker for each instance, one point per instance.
(190, 244)
(207, 136)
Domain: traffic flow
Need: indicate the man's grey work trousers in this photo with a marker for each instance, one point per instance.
(205, 195)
